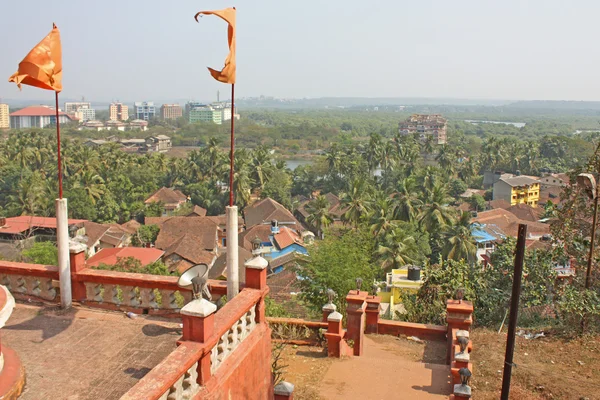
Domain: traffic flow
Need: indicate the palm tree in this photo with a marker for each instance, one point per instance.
(373, 151)
(407, 201)
(382, 219)
(262, 164)
(436, 214)
(356, 202)
(319, 216)
(459, 243)
(398, 249)
(92, 184)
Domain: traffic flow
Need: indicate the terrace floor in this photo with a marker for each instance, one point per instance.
(390, 368)
(85, 354)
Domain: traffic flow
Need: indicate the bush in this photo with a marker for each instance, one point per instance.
(45, 253)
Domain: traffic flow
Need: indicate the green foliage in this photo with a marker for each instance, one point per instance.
(457, 187)
(274, 309)
(44, 253)
(146, 234)
(154, 209)
(278, 188)
(477, 202)
(335, 263)
(133, 265)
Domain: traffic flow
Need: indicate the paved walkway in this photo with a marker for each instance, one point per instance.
(85, 354)
(386, 371)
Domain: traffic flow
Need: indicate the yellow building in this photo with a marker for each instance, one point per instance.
(4, 116)
(396, 282)
(518, 190)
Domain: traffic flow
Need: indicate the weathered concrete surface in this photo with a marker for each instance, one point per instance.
(85, 354)
(384, 372)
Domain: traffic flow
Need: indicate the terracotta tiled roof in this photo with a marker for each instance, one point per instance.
(94, 232)
(267, 210)
(526, 212)
(180, 266)
(187, 247)
(131, 227)
(286, 237)
(550, 193)
(221, 220)
(202, 228)
(261, 231)
(509, 223)
(499, 203)
(156, 220)
(335, 206)
(15, 225)
(35, 111)
(197, 211)
(520, 180)
(112, 256)
(167, 196)
(219, 268)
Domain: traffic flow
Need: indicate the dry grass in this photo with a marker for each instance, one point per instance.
(306, 366)
(547, 368)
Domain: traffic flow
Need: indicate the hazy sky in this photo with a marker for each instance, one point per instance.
(154, 50)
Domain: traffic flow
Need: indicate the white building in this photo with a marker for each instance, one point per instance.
(36, 117)
(72, 107)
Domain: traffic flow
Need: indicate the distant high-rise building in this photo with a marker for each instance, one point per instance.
(4, 116)
(144, 110)
(425, 125)
(81, 111)
(171, 111)
(72, 107)
(224, 109)
(205, 114)
(118, 112)
(190, 105)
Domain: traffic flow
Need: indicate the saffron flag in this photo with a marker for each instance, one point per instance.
(42, 67)
(227, 74)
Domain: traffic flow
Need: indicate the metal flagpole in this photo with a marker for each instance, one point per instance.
(60, 188)
(232, 145)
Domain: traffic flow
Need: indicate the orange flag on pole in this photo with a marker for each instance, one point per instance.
(227, 74)
(42, 67)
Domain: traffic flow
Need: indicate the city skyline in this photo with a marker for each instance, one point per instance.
(538, 50)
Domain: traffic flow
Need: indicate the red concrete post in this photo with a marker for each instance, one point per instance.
(256, 278)
(334, 335)
(198, 326)
(355, 311)
(284, 391)
(328, 309)
(459, 316)
(77, 261)
(372, 312)
(256, 273)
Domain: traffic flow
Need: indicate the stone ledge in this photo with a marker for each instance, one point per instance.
(12, 377)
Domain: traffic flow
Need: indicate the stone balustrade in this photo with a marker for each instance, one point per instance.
(29, 280)
(216, 348)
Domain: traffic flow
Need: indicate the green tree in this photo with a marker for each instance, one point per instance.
(44, 253)
(477, 202)
(335, 264)
(457, 187)
(278, 188)
(318, 214)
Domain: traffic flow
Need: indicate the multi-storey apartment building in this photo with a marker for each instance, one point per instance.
(518, 190)
(118, 112)
(425, 125)
(4, 116)
(205, 114)
(36, 117)
(144, 110)
(171, 111)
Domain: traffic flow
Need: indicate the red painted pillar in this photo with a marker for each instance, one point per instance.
(77, 261)
(372, 312)
(198, 326)
(328, 309)
(459, 316)
(335, 335)
(355, 311)
(256, 278)
(284, 391)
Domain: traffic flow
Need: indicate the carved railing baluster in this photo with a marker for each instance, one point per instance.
(110, 294)
(130, 297)
(148, 298)
(92, 292)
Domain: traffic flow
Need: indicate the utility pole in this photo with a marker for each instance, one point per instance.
(514, 311)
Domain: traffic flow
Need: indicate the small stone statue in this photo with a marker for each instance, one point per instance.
(330, 295)
(374, 289)
(200, 288)
(359, 282)
(460, 294)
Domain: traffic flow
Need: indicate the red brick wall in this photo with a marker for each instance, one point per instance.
(246, 373)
